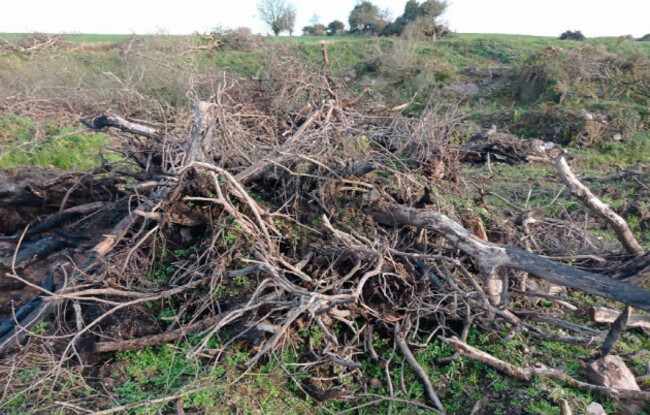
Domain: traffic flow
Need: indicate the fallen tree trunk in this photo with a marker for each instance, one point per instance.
(493, 256)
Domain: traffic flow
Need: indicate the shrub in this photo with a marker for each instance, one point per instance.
(241, 39)
(569, 35)
(315, 30)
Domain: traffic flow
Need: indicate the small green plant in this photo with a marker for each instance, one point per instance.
(41, 327)
(256, 196)
(162, 273)
(242, 281)
(363, 143)
(229, 237)
(181, 253)
(313, 333)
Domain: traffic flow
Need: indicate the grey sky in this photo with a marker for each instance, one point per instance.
(540, 17)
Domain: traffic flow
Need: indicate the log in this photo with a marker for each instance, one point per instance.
(607, 315)
(26, 316)
(615, 331)
(18, 195)
(111, 120)
(55, 220)
(491, 256)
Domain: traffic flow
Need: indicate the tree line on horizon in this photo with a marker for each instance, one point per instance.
(419, 19)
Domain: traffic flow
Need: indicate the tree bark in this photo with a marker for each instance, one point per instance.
(202, 133)
(636, 271)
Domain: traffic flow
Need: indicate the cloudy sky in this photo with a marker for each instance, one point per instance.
(540, 17)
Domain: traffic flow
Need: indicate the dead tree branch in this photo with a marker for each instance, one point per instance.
(492, 256)
(528, 373)
(584, 195)
(428, 387)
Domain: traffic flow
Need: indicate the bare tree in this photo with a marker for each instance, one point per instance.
(289, 19)
(278, 15)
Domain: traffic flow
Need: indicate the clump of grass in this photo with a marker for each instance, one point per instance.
(26, 143)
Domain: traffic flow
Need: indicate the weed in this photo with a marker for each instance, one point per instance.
(41, 327)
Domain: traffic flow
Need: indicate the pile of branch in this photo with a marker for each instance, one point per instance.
(38, 43)
(334, 211)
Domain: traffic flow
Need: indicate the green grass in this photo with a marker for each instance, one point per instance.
(157, 372)
(25, 142)
(626, 153)
(76, 37)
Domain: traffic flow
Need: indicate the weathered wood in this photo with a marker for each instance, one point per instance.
(620, 226)
(18, 195)
(257, 169)
(565, 409)
(55, 220)
(18, 334)
(421, 374)
(577, 328)
(615, 331)
(491, 256)
(111, 120)
(167, 337)
(26, 316)
(528, 373)
(202, 134)
(607, 315)
(584, 195)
